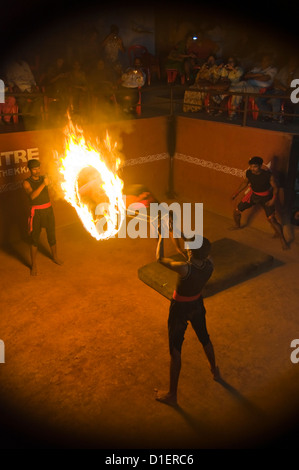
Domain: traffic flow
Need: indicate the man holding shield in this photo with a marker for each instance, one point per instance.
(187, 305)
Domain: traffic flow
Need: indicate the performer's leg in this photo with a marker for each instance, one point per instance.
(35, 234)
(50, 229)
(170, 397)
(33, 253)
(278, 230)
(209, 352)
(199, 325)
(177, 325)
(237, 218)
(54, 255)
(243, 205)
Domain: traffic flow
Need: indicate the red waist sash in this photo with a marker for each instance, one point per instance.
(182, 298)
(247, 196)
(32, 211)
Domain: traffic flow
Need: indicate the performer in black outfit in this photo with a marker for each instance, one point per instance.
(263, 191)
(187, 305)
(41, 212)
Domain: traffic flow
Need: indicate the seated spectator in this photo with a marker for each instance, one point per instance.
(179, 57)
(217, 34)
(207, 76)
(281, 86)
(8, 109)
(101, 83)
(202, 47)
(20, 79)
(56, 86)
(78, 89)
(90, 50)
(112, 46)
(259, 78)
(229, 76)
(131, 82)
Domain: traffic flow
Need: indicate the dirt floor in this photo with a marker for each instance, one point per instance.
(86, 345)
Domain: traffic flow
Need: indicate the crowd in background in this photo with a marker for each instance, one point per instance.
(101, 75)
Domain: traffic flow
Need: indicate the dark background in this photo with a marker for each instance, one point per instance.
(23, 23)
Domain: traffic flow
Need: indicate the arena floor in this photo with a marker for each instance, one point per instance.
(86, 345)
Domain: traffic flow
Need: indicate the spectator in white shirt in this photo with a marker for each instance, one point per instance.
(260, 77)
(20, 80)
(20, 77)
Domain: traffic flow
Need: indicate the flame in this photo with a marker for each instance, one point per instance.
(79, 155)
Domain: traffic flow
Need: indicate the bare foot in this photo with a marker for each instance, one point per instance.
(57, 261)
(166, 397)
(285, 245)
(33, 271)
(235, 227)
(216, 373)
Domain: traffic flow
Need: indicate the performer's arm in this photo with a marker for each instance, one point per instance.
(241, 188)
(177, 245)
(176, 240)
(178, 266)
(275, 192)
(34, 194)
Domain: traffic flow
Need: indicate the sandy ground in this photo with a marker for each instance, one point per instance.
(86, 344)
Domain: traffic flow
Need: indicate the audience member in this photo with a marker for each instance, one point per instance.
(56, 86)
(217, 34)
(206, 78)
(8, 108)
(131, 82)
(281, 86)
(112, 46)
(180, 57)
(230, 74)
(90, 50)
(78, 89)
(101, 85)
(259, 78)
(20, 77)
(20, 80)
(202, 47)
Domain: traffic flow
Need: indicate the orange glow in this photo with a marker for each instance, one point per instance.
(80, 155)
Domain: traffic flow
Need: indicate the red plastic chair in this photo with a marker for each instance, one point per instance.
(171, 75)
(138, 107)
(9, 109)
(253, 106)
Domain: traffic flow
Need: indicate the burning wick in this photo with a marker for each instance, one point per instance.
(80, 155)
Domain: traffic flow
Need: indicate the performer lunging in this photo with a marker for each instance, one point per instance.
(263, 191)
(41, 212)
(187, 305)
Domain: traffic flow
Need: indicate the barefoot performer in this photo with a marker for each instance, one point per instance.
(41, 212)
(263, 191)
(187, 305)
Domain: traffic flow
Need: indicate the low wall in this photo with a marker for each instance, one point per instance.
(209, 163)
(211, 158)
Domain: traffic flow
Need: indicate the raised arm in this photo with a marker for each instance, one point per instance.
(180, 267)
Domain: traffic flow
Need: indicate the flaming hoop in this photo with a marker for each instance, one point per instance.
(80, 155)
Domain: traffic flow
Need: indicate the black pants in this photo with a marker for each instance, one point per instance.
(43, 218)
(179, 315)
